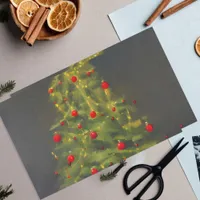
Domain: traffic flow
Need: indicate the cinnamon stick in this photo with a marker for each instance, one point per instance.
(176, 8)
(34, 23)
(38, 28)
(157, 12)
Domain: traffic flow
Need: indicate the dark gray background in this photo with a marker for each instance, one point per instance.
(136, 68)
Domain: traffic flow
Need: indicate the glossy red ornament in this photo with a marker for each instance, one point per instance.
(149, 127)
(134, 102)
(60, 83)
(74, 79)
(112, 118)
(181, 125)
(92, 71)
(113, 109)
(123, 100)
(94, 171)
(104, 85)
(62, 123)
(70, 158)
(50, 91)
(80, 126)
(57, 138)
(54, 102)
(74, 113)
(93, 135)
(136, 144)
(75, 138)
(56, 173)
(93, 114)
(88, 73)
(65, 99)
(121, 146)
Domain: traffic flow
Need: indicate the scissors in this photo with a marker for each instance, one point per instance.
(156, 171)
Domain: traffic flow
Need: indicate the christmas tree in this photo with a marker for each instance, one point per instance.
(94, 128)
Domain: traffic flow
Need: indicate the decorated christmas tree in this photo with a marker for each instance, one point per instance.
(94, 128)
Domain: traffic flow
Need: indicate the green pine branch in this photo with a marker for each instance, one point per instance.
(7, 87)
(4, 14)
(111, 175)
(5, 192)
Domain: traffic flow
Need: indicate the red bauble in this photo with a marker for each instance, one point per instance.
(92, 71)
(137, 145)
(113, 109)
(50, 91)
(56, 173)
(75, 138)
(65, 99)
(94, 171)
(80, 126)
(68, 176)
(88, 73)
(112, 118)
(57, 138)
(181, 125)
(123, 100)
(62, 123)
(121, 146)
(104, 85)
(134, 101)
(149, 127)
(73, 79)
(74, 113)
(60, 83)
(93, 114)
(70, 158)
(93, 135)
(54, 102)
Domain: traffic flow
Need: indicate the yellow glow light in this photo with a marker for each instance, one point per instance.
(102, 166)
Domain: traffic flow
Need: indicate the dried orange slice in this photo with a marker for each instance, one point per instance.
(197, 46)
(62, 16)
(16, 3)
(25, 11)
(47, 3)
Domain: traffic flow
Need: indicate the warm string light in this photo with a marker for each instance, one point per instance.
(54, 155)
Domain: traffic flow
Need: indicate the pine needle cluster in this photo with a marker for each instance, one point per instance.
(5, 192)
(7, 87)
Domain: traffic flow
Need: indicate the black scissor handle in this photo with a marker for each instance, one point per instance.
(150, 170)
(125, 180)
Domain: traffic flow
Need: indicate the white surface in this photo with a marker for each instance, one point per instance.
(177, 35)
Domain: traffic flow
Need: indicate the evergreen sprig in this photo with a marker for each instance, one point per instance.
(4, 14)
(5, 192)
(111, 175)
(7, 87)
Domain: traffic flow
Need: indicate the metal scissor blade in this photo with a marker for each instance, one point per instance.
(172, 154)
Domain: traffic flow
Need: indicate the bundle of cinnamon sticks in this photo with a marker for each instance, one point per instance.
(36, 25)
(169, 12)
